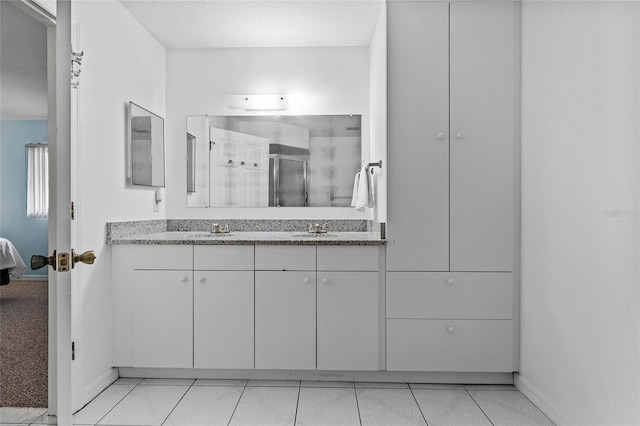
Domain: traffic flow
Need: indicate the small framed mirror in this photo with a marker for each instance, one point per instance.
(146, 147)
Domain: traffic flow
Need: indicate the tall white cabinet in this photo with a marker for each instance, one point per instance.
(451, 136)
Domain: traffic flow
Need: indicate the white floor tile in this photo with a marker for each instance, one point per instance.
(266, 406)
(509, 408)
(449, 407)
(20, 415)
(327, 407)
(490, 387)
(381, 385)
(127, 381)
(386, 407)
(170, 382)
(145, 405)
(437, 386)
(279, 383)
(102, 404)
(325, 384)
(220, 382)
(206, 405)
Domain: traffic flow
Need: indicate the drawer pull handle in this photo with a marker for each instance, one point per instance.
(306, 279)
(201, 279)
(183, 279)
(325, 280)
(450, 329)
(450, 281)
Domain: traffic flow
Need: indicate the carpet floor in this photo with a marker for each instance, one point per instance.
(23, 344)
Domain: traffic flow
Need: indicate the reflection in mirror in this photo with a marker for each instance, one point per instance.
(146, 147)
(275, 161)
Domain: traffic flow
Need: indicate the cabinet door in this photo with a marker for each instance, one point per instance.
(418, 136)
(348, 321)
(285, 310)
(162, 319)
(223, 319)
(482, 135)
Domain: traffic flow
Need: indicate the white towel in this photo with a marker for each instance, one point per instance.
(10, 259)
(362, 191)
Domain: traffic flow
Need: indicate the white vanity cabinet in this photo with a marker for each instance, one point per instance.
(223, 306)
(285, 307)
(152, 306)
(452, 136)
(347, 317)
(321, 317)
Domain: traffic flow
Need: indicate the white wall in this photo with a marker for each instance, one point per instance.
(332, 80)
(122, 63)
(580, 169)
(378, 105)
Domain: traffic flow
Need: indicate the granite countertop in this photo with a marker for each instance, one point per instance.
(263, 238)
(245, 232)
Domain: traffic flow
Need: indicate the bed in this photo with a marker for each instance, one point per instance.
(11, 264)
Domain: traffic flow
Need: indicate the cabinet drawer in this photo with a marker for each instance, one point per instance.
(223, 258)
(349, 258)
(152, 257)
(454, 295)
(450, 345)
(285, 258)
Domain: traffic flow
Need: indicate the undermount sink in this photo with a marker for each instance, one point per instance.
(206, 234)
(313, 235)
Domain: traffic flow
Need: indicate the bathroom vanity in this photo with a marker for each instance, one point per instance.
(247, 300)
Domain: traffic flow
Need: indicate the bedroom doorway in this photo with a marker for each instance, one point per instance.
(24, 122)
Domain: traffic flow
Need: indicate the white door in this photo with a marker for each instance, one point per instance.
(482, 123)
(60, 384)
(418, 121)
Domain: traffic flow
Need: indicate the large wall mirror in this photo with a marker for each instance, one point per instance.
(272, 161)
(146, 147)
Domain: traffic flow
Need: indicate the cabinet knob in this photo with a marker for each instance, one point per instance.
(201, 280)
(306, 279)
(459, 135)
(450, 281)
(440, 135)
(325, 280)
(183, 279)
(450, 329)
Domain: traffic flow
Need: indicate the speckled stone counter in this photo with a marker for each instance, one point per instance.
(247, 231)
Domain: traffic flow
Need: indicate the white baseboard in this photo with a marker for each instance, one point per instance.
(31, 278)
(348, 376)
(93, 389)
(548, 407)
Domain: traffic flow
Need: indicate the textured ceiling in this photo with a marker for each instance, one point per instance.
(262, 23)
(23, 65)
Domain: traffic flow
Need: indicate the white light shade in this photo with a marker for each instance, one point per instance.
(264, 102)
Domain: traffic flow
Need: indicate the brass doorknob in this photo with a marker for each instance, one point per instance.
(38, 261)
(87, 257)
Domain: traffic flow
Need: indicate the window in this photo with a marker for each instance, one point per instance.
(37, 180)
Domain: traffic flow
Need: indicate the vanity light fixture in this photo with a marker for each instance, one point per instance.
(264, 102)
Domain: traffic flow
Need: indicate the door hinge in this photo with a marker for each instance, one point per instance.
(73, 211)
(73, 351)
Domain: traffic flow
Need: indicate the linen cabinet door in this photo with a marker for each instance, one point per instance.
(482, 135)
(285, 310)
(162, 319)
(223, 319)
(418, 136)
(348, 321)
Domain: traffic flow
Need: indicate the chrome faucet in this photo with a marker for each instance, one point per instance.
(217, 229)
(317, 229)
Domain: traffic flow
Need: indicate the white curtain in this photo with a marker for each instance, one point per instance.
(37, 180)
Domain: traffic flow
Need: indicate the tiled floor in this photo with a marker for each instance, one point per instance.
(277, 402)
